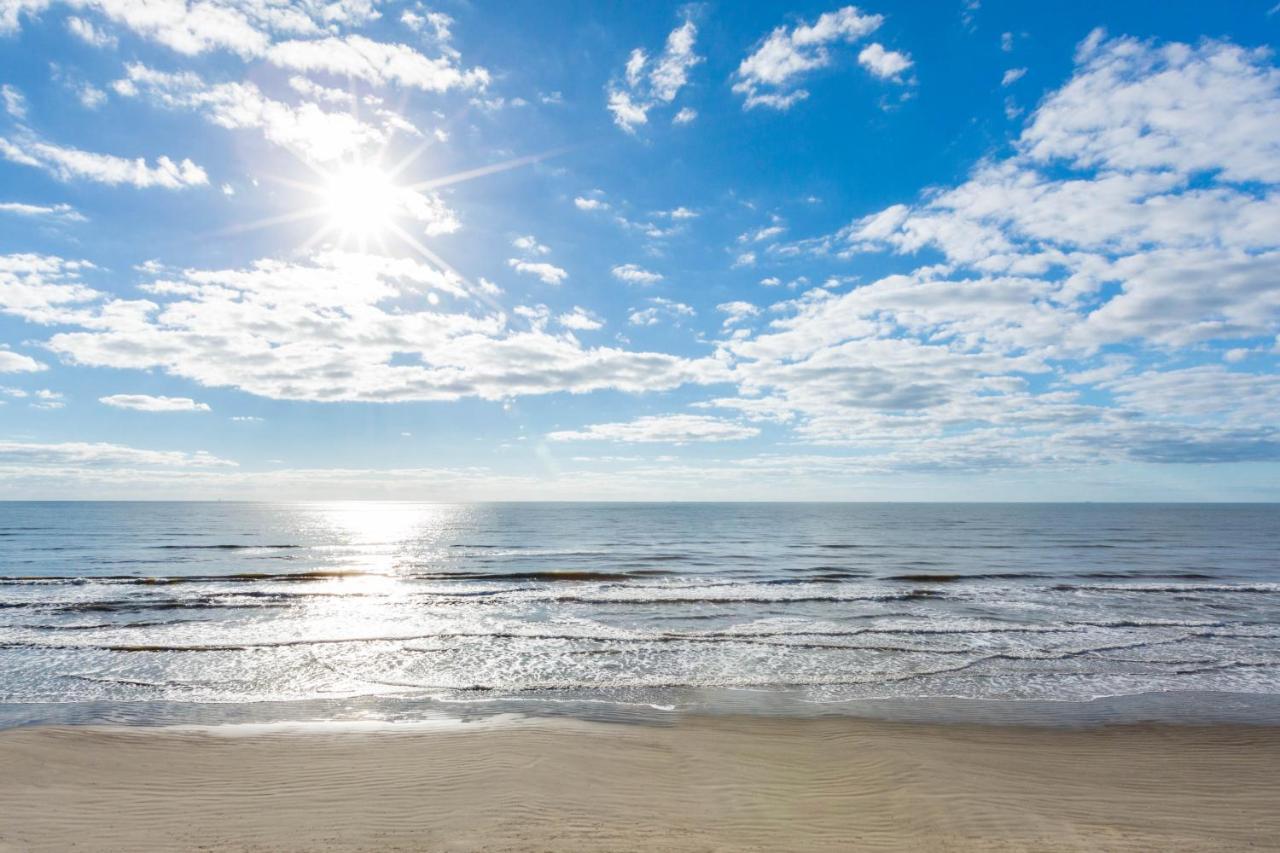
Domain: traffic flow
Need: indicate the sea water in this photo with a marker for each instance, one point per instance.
(144, 606)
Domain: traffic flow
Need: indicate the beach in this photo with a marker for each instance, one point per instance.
(702, 783)
(718, 677)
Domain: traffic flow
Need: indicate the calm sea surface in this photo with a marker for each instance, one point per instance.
(155, 603)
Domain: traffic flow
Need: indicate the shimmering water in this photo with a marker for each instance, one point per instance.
(651, 603)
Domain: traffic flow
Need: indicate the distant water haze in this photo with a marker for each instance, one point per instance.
(633, 603)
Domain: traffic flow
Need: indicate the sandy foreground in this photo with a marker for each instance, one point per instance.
(703, 784)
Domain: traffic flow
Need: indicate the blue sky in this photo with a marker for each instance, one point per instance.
(292, 248)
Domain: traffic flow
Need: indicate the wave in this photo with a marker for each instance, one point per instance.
(139, 682)
(1262, 588)
(797, 638)
(225, 547)
(167, 580)
(1187, 576)
(544, 576)
(146, 623)
(127, 605)
(953, 578)
(740, 682)
(746, 598)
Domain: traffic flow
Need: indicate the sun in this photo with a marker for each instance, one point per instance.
(366, 204)
(360, 201)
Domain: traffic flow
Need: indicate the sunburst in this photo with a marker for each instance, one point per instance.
(362, 203)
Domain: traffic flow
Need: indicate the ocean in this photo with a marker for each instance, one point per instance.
(136, 611)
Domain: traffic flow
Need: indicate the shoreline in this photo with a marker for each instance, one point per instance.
(700, 783)
(1176, 707)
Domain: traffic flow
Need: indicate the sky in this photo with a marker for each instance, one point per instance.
(342, 249)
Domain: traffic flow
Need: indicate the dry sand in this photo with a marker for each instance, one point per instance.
(704, 784)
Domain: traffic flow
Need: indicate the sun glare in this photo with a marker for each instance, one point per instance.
(361, 201)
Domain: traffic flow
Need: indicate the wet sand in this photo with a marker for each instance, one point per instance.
(709, 783)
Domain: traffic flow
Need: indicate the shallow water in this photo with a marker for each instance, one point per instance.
(151, 604)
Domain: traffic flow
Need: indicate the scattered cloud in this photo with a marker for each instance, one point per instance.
(769, 76)
(68, 164)
(90, 34)
(1137, 209)
(148, 403)
(15, 362)
(633, 274)
(737, 312)
(313, 133)
(378, 63)
(1013, 75)
(650, 82)
(338, 326)
(885, 64)
(48, 399)
(670, 429)
(580, 319)
(244, 27)
(545, 272)
(15, 103)
(660, 310)
(530, 245)
(52, 211)
(101, 454)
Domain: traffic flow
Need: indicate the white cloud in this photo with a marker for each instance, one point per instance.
(660, 309)
(679, 213)
(44, 289)
(49, 400)
(13, 362)
(1139, 209)
(685, 116)
(1013, 75)
(633, 274)
(313, 133)
(737, 312)
(768, 76)
(337, 327)
(652, 82)
(671, 429)
(438, 24)
(190, 30)
(1188, 109)
(91, 97)
(765, 232)
(149, 403)
(246, 27)
(885, 64)
(530, 245)
(53, 211)
(15, 104)
(580, 319)
(69, 164)
(101, 454)
(585, 203)
(90, 34)
(547, 273)
(376, 62)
